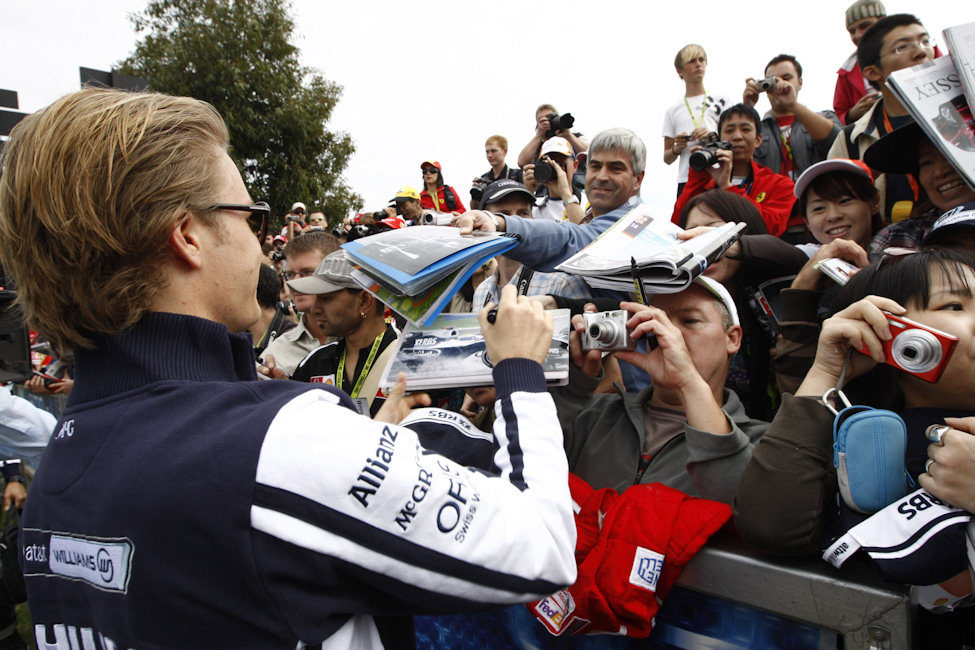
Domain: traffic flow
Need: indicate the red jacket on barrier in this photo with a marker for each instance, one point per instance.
(770, 192)
(630, 549)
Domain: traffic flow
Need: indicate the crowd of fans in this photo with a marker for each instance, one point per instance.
(728, 402)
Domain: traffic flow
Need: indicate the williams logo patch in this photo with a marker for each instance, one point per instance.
(647, 566)
(103, 563)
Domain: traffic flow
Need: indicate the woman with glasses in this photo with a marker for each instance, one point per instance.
(436, 195)
(787, 502)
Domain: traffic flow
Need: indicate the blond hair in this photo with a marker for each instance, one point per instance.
(688, 53)
(92, 187)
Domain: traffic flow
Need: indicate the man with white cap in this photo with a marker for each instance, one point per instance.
(560, 203)
(355, 361)
(687, 430)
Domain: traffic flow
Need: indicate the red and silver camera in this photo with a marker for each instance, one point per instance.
(915, 348)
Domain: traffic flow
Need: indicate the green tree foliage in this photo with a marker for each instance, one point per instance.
(237, 55)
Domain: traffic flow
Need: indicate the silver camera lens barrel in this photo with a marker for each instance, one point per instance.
(604, 331)
(916, 351)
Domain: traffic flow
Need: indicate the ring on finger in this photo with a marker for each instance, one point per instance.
(927, 465)
(936, 433)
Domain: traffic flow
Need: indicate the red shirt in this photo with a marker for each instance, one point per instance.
(770, 192)
(426, 201)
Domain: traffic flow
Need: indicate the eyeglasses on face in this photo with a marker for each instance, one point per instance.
(429, 170)
(259, 215)
(908, 47)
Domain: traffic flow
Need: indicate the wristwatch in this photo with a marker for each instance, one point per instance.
(571, 199)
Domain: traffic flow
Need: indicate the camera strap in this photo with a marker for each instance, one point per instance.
(704, 108)
(450, 199)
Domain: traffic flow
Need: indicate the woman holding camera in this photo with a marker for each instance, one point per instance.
(786, 502)
(783, 500)
(436, 195)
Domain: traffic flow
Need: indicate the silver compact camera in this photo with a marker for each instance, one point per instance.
(606, 330)
(766, 84)
(431, 218)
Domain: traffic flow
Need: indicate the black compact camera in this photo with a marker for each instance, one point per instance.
(708, 154)
(277, 256)
(558, 122)
(477, 191)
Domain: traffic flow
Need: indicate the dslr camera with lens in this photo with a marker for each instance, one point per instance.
(477, 191)
(915, 348)
(606, 330)
(558, 122)
(543, 171)
(708, 154)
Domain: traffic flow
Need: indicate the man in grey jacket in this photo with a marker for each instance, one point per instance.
(793, 136)
(686, 431)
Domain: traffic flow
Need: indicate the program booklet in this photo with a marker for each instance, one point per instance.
(960, 40)
(420, 309)
(665, 263)
(409, 261)
(932, 92)
(450, 353)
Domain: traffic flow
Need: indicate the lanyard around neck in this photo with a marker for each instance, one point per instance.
(365, 369)
(704, 108)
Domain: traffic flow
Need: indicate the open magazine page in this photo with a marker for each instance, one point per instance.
(961, 45)
(413, 259)
(651, 241)
(932, 92)
(450, 352)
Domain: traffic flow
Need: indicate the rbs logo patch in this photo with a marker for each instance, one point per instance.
(646, 569)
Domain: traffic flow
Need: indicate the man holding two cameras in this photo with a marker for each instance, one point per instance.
(728, 164)
(549, 124)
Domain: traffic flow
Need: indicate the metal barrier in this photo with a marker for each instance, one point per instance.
(854, 602)
(728, 597)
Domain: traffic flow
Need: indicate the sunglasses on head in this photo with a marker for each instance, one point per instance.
(258, 218)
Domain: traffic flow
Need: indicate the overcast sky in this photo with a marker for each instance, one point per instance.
(433, 79)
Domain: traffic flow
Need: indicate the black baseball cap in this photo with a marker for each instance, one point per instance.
(958, 219)
(896, 152)
(505, 187)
